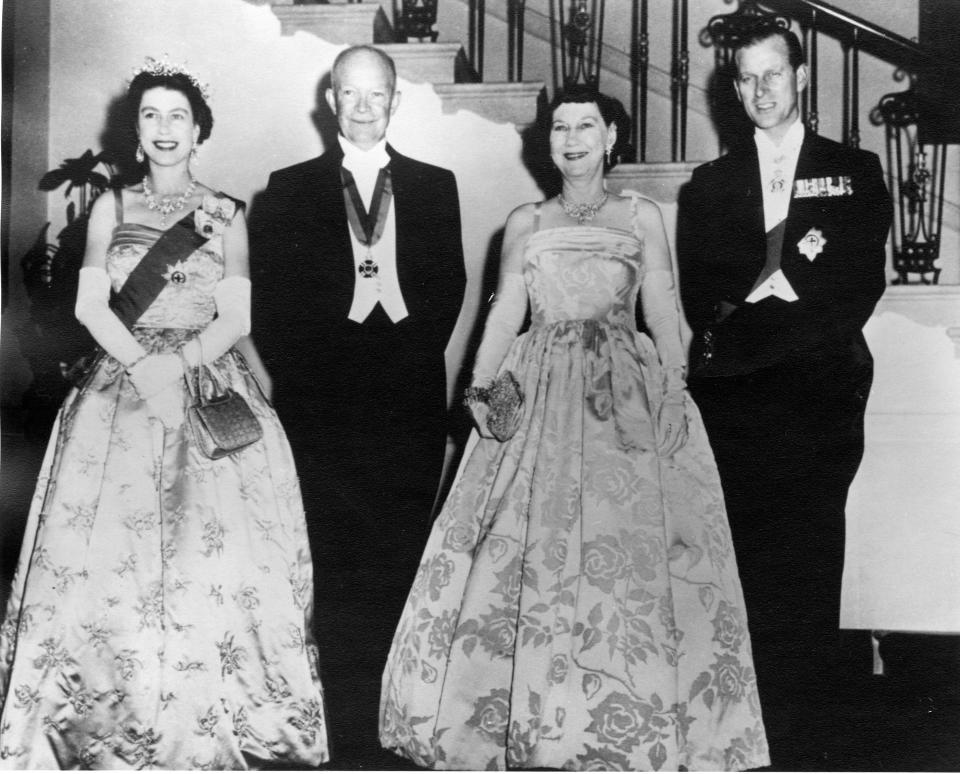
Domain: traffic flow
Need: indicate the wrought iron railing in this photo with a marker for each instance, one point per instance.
(916, 171)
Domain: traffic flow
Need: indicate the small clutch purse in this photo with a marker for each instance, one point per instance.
(506, 406)
(223, 423)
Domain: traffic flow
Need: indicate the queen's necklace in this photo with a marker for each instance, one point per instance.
(584, 213)
(165, 207)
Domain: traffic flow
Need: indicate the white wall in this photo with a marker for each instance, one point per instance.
(876, 79)
(902, 569)
(264, 91)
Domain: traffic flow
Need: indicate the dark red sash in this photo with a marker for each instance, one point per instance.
(142, 287)
(146, 281)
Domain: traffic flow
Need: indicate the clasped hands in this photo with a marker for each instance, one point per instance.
(156, 380)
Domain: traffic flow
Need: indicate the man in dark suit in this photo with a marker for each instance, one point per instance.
(359, 278)
(781, 250)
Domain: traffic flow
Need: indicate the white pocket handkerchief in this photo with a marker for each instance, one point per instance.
(777, 285)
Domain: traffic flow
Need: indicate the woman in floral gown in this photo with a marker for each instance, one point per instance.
(160, 612)
(578, 606)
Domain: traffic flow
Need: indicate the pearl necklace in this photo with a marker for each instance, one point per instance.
(165, 206)
(584, 213)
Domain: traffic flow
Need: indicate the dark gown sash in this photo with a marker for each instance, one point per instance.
(142, 285)
(146, 281)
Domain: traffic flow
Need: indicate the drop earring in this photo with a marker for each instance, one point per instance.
(609, 151)
(139, 155)
(194, 155)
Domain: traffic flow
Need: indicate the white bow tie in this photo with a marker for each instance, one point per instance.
(366, 161)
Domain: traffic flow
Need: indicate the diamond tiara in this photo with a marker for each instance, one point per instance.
(164, 66)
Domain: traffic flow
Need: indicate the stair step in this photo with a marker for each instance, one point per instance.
(660, 181)
(514, 103)
(428, 62)
(337, 23)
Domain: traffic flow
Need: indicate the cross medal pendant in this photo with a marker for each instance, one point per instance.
(368, 267)
(778, 183)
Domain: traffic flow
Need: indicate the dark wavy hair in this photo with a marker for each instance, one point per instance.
(765, 29)
(202, 115)
(611, 111)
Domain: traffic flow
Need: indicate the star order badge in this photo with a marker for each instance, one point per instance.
(176, 273)
(811, 245)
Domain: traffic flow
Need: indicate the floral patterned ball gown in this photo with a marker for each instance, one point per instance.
(577, 605)
(160, 612)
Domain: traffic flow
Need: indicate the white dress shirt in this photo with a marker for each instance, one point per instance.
(778, 165)
(384, 288)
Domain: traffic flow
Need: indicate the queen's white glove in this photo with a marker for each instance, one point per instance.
(155, 373)
(92, 309)
(232, 296)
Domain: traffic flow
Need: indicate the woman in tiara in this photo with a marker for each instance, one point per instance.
(160, 612)
(577, 605)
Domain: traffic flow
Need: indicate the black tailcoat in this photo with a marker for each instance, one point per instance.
(364, 405)
(782, 386)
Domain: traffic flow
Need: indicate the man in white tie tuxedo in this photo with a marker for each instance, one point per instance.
(358, 280)
(781, 252)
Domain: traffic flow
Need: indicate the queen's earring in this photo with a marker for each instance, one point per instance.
(609, 152)
(139, 155)
(194, 155)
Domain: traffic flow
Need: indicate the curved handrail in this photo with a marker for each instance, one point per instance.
(871, 38)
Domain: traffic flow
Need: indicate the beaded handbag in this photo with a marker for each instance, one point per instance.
(222, 423)
(506, 403)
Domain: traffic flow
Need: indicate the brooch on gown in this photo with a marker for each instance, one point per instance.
(214, 214)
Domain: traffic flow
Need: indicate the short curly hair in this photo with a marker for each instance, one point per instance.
(144, 81)
(611, 111)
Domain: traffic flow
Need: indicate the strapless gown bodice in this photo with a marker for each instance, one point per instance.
(187, 300)
(583, 273)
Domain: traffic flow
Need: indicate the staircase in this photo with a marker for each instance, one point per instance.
(445, 65)
(902, 507)
(676, 93)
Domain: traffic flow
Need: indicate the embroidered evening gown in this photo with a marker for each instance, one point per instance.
(160, 614)
(578, 605)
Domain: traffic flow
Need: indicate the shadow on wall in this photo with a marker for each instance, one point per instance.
(50, 338)
(727, 114)
(324, 121)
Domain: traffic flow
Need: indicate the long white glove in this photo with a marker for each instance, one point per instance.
(503, 324)
(157, 380)
(92, 309)
(151, 375)
(661, 312)
(232, 297)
